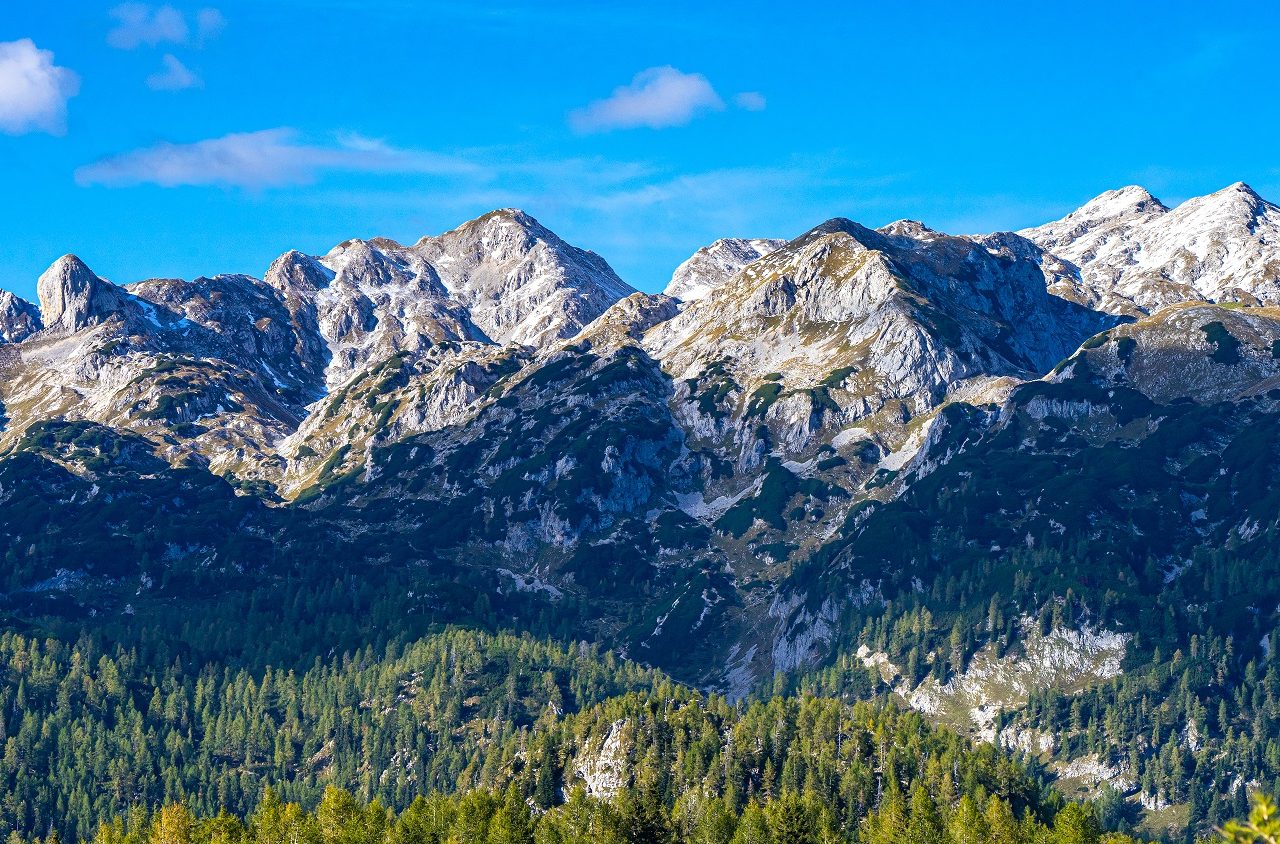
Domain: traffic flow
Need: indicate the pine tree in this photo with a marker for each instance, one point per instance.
(791, 823)
(1075, 824)
(512, 823)
(753, 826)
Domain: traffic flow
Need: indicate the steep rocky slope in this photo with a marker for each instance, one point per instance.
(19, 319)
(852, 334)
(503, 278)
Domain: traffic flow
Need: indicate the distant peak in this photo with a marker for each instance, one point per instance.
(294, 267)
(1117, 203)
(19, 318)
(734, 247)
(1240, 187)
(869, 238)
(907, 228)
(1237, 192)
(512, 215)
(498, 217)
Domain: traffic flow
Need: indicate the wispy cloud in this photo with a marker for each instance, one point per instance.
(264, 159)
(33, 90)
(657, 98)
(750, 101)
(175, 76)
(209, 25)
(636, 212)
(139, 24)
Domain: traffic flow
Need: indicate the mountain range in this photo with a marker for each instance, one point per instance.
(987, 476)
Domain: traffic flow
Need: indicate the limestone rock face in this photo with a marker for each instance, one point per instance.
(72, 297)
(19, 319)
(713, 265)
(847, 325)
(519, 282)
(502, 278)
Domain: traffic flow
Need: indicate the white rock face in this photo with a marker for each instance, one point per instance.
(605, 770)
(1065, 659)
(502, 278)
(19, 319)
(382, 299)
(711, 266)
(72, 297)
(519, 282)
(1093, 772)
(847, 325)
(1135, 255)
(626, 321)
(843, 285)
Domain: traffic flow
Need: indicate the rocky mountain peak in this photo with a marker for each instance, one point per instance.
(869, 238)
(627, 320)
(72, 297)
(294, 273)
(1244, 190)
(1134, 255)
(913, 229)
(1126, 201)
(498, 235)
(19, 319)
(519, 281)
(1236, 202)
(713, 264)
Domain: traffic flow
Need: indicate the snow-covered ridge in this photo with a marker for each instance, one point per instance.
(1134, 255)
(713, 265)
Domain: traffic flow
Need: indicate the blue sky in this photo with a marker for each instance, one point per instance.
(190, 139)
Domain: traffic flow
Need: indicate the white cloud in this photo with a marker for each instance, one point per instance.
(33, 90)
(265, 159)
(176, 76)
(139, 23)
(750, 101)
(658, 97)
(209, 24)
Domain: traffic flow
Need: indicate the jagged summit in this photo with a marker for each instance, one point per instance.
(870, 238)
(72, 297)
(1234, 200)
(500, 278)
(1242, 189)
(713, 264)
(1114, 203)
(519, 281)
(514, 216)
(1135, 255)
(913, 229)
(912, 312)
(19, 319)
